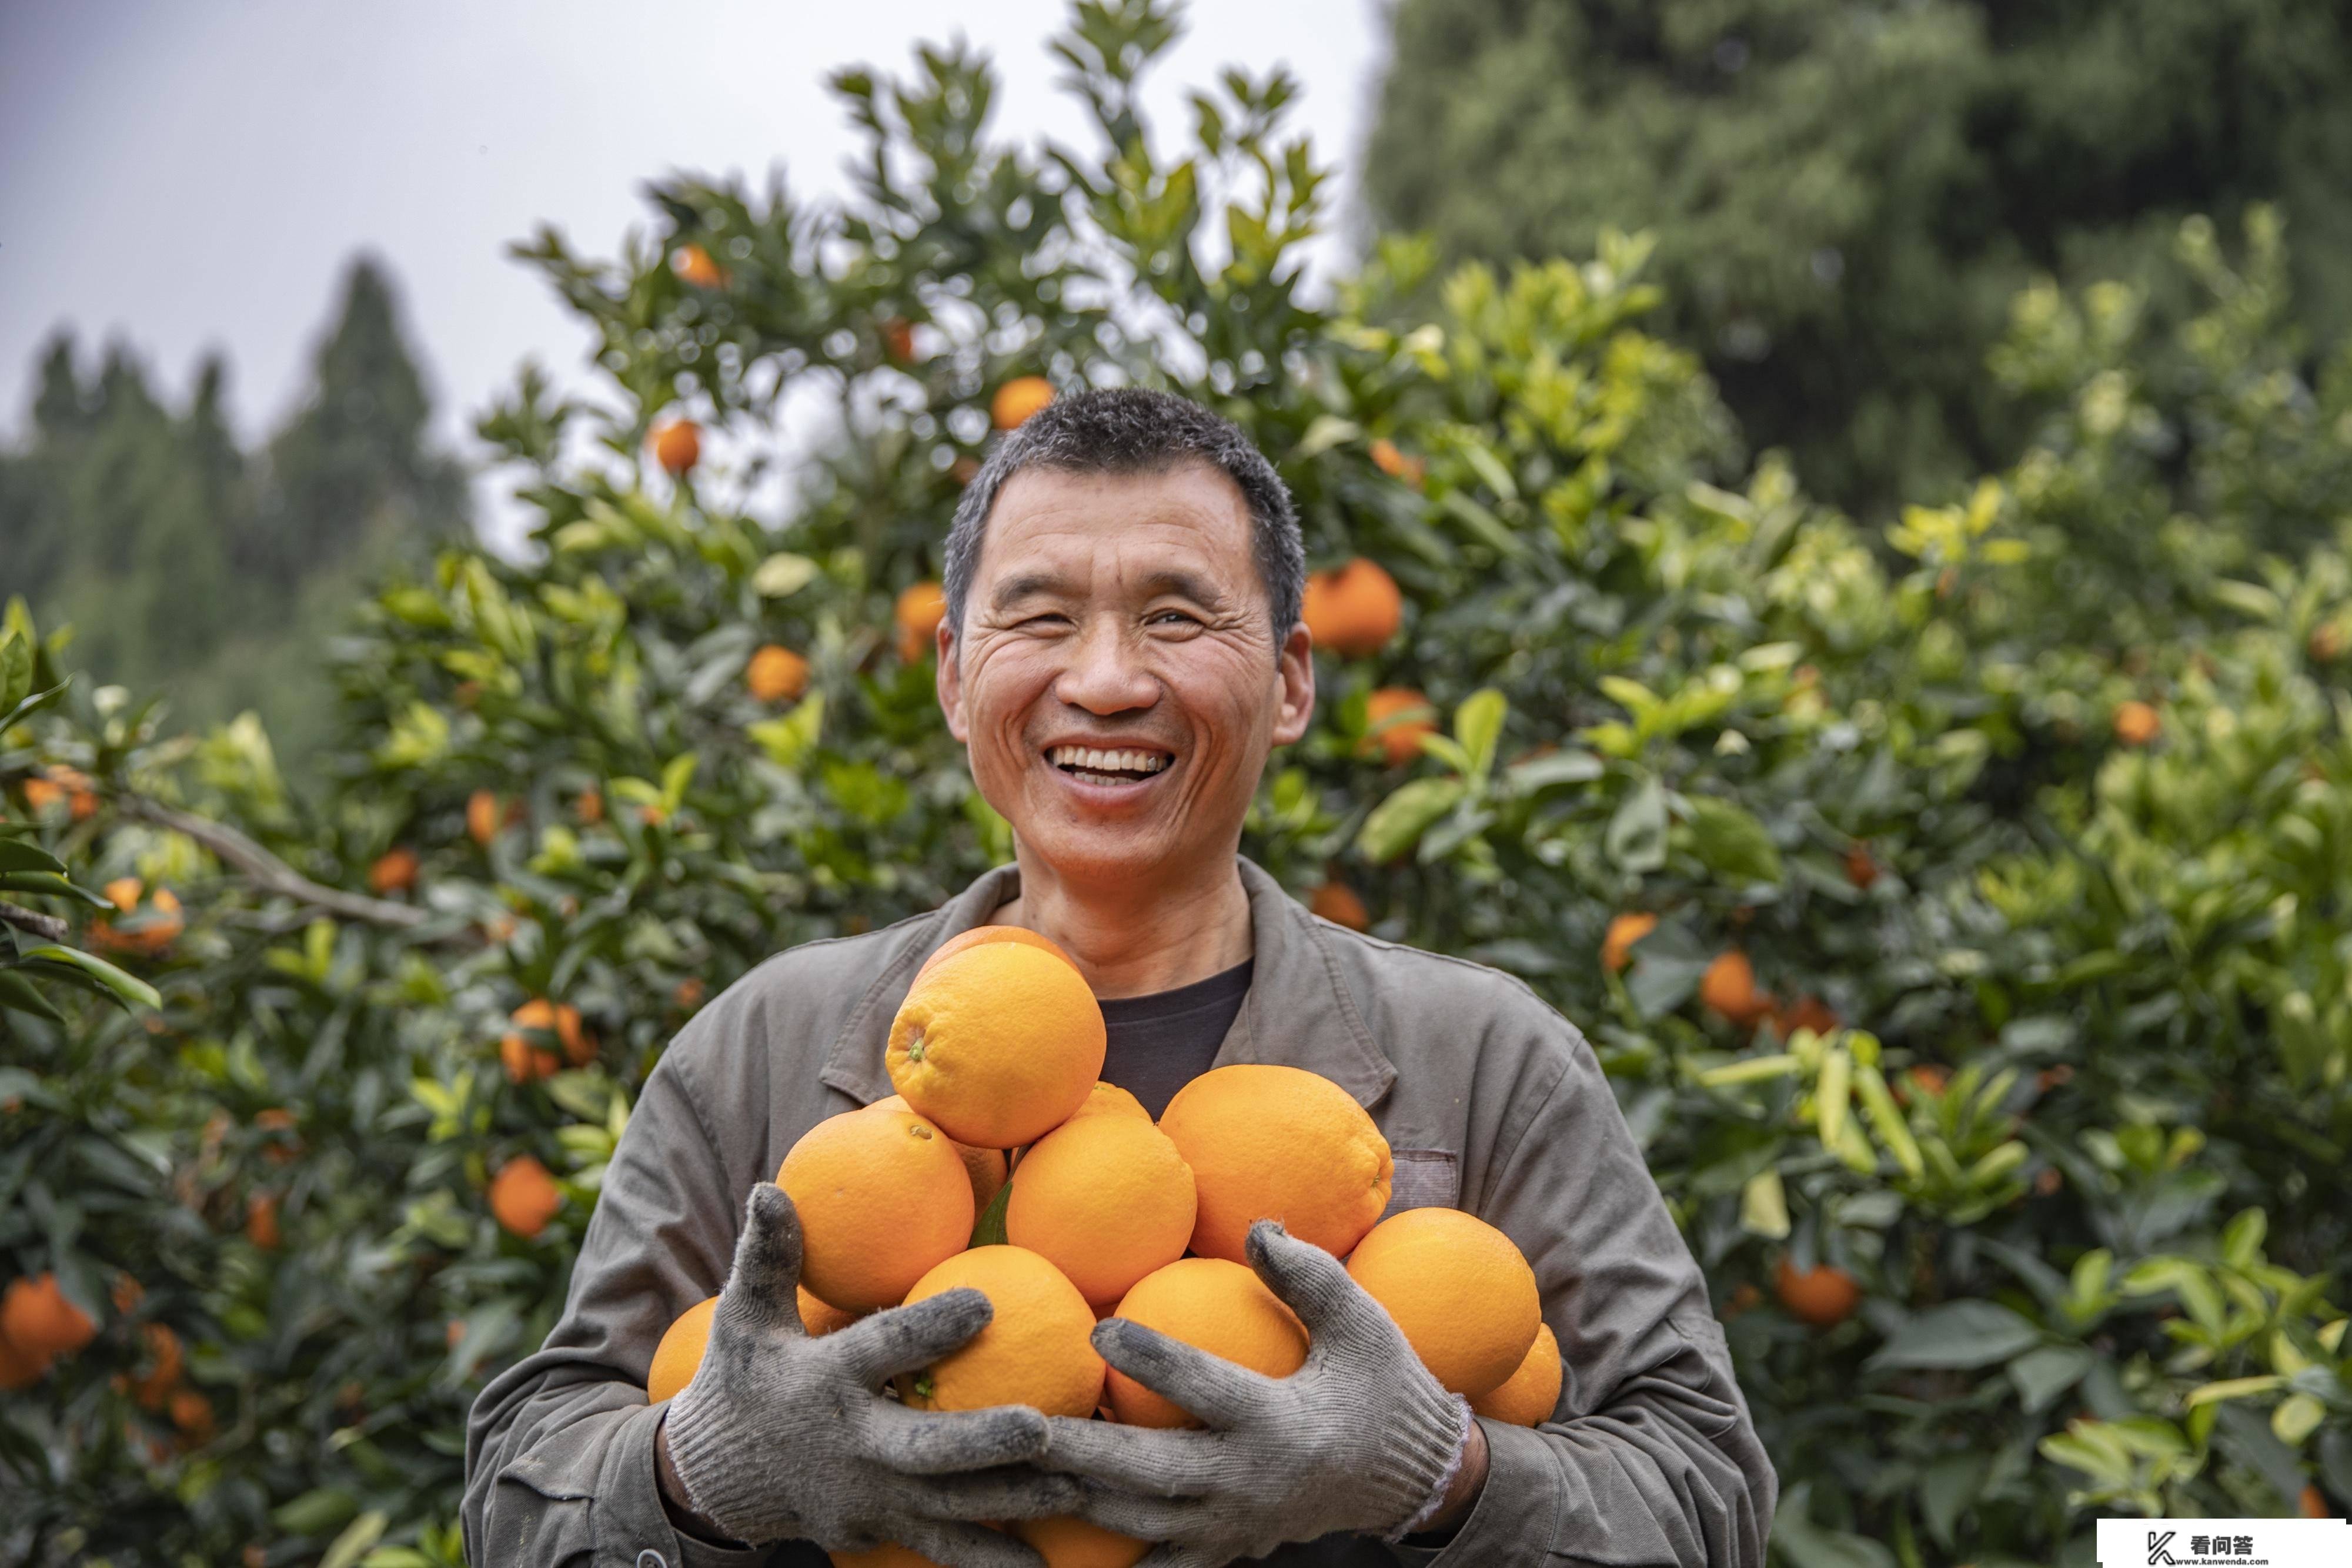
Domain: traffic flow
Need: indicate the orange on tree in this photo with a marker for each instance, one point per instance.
(1213, 1305)
(998, 1044)
(1458, 1288)
(919, 609)
(527, 1057)
(1353, 610)
(678, 447)
(986, 1167)
(483, 815)
(1528, 1397)
(1729, 989)
(979, 935)
(38, 1320)
(165, 1362)
(693, 264)
(679, 1353)
(1396, 465)
(1036, 1351)
(1106, 1199)
(821, 1318)
(261, 1221)
(1824, 1295)
(20, 1369)
(1065, 1542)
(1395, 719)
(1268, 1142)
(2137, 723)
(590, 806)
(192, 1413)
(524, 1196)
(124, 892)
(1017, 398)
(898, 340)
(776, 673)
(883, 1199)
(2312, 1503)
(1340, 904)
(1860, 868)
(395, 871)
(1624, 930)
(1806, 1012)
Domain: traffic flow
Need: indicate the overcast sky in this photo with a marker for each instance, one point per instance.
(188, 174)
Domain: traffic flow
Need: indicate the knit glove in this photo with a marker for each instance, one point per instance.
(1360, 1438)
(782, 1436)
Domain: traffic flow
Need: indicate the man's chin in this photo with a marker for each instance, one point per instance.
(1130, 852)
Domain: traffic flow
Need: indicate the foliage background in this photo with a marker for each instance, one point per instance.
(2076, 1131)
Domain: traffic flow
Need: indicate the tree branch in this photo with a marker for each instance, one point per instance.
(39, 924)
(267, 870)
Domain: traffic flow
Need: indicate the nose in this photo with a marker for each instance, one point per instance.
(1106, 673)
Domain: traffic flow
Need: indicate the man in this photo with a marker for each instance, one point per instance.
(1122, 653)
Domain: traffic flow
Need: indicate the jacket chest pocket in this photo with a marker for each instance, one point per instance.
(1425, 1178)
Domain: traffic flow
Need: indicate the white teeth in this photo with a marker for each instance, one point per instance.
(1094, 759)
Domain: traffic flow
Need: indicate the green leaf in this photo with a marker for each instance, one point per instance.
(17, 855)
(1730, 842)
(1478, 727)
(16, 669)
(1398, 822)
(988, 1229)
(356, 1539)
(18, 992)
(1553, 768)
(1636, 836)
(51, 885)
(1957, 1336)
(128, 988)
(781, 575)
(2047, 1371)
(315, 1512)
(1764, 1206)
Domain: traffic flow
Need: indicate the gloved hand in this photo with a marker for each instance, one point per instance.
(1360, 1438)
(784, 1436)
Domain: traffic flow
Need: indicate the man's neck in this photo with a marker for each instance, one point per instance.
(1134, 937)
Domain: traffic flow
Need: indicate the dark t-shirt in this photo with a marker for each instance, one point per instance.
(1157, 1044)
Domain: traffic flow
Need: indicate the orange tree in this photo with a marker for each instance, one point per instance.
(1959, 913)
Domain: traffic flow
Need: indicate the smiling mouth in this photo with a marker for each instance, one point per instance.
(1108, 765)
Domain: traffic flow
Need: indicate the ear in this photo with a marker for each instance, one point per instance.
(1295, 672)
(947, 679)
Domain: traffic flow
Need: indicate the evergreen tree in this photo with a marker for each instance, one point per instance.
(1847, 195)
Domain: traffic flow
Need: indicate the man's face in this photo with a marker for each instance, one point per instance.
(1117, 678)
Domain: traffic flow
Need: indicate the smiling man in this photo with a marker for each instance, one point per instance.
(1122, 653)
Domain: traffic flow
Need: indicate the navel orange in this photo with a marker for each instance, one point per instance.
(821, 1318)
(1354, 610)
(1068, 1543)
(679, 1353)
(1277, 1143)
(1104, 1198)
(1458, 1288)
(1528, 1396)
(997, 1044)
(980, 935)
(1036, 1350)
(1213, 1306)
(882, 1198)
(986, 1167)
(1111, 1100)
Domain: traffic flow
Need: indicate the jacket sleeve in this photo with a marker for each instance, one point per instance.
(559, 1447)
(1650, 1458)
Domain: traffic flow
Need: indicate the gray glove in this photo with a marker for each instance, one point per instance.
(1360, 1438)
(780, 1435)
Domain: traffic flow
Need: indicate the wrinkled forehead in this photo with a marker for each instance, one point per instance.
(1185, 527)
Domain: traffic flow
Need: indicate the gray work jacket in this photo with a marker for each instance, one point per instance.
(1492, 1102)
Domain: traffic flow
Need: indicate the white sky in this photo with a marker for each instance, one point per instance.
(188, 174)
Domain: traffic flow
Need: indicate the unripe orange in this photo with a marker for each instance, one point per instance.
(1017, 398)
(677, 446)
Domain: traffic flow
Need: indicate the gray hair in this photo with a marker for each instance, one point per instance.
(1132, 430)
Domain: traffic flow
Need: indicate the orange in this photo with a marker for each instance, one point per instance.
(527, 1057)
(889, 1554)
(154, 1385)
(1213, 1306)
(192, 1413)
(1526, 1397)
(1278, 1142)
(482, 814)
(1104, 1198)
(1353, 610)
(590, 806)
(261, 1221)
(979, 935)
(395, 871)
(1617, 948)
(898, 340)
(1805, 1012)
(1017, 398)
(2312, 1503)
(1458, 1288)
(918, 612)
(1111, 1100)
(1824, 1296)
(679, 1353)
(998, 1044)
(819, 1318)
(693, 264)
(1337, 903)
(883, 1199)
(20, 1369)
(986, 1167)
(124, 892)
(1069, 1543)
(523, 1197)
(38, 1320)
(2137, 723)
(1729, 988)
(1395, 720)
(677, 446)
(776, 673)
(1036, 1350)
(1861, 868)
(1396, 465)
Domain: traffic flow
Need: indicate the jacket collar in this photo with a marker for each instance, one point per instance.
(1298, 1012)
